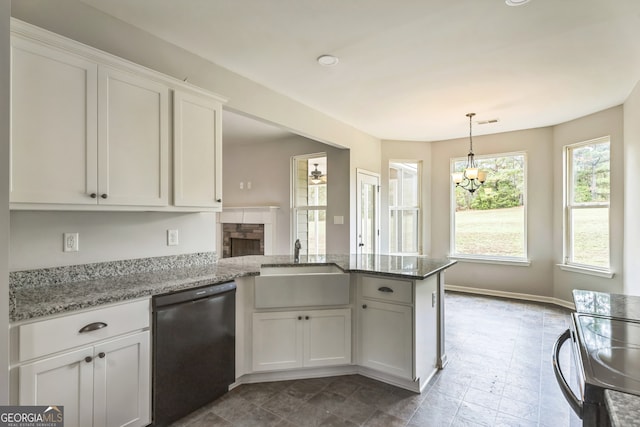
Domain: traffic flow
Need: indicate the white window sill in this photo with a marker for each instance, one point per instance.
(585, 270)
(519, 262)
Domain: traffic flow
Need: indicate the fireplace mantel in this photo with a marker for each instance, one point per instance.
(266, 215)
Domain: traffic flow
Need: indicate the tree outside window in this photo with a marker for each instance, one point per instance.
(491, 223)
(587, 179)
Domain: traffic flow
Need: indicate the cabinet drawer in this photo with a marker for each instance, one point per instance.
(387, 289)
(60, 333)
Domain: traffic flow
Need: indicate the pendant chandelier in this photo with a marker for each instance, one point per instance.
(472, 177)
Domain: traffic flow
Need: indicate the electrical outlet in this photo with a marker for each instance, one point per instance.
(70, 242)
(172, 237)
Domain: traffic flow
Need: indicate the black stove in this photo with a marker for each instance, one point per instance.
(605, 335)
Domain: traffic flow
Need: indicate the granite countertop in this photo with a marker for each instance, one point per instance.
(624, 409)
(44, 292)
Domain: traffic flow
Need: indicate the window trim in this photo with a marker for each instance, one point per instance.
(492, 259)
(294, 208)
(403, 208)
(567, 195)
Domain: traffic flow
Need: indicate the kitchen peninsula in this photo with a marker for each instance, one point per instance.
(385, 321)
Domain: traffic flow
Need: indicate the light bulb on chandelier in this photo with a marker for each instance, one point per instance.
(472, 177)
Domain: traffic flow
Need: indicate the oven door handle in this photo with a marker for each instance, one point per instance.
(574, 402)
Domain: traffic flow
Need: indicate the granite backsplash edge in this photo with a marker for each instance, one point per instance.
(101, 270)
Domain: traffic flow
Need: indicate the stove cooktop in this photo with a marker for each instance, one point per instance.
(610, 351)
(617, 306)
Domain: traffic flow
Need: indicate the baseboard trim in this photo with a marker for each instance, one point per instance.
(512, 295)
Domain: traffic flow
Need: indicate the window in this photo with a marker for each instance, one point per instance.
(310, 203)
(404, 208)
(491, 223)
(587, 178)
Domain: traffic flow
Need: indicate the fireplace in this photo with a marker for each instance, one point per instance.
(240, 247)
(247, 231)
(242, 239)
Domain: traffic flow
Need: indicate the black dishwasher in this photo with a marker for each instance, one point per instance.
(193, 349)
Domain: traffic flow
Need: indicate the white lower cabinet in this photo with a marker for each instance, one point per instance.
(95, 363)
(300, 339)
(106, 385)
(386, 337)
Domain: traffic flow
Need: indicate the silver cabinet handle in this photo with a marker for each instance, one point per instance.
(92, 327)
(385, 289)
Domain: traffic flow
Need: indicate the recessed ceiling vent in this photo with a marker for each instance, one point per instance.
(486, 122)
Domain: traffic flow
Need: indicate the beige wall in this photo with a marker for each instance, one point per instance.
(631, 277)
(608, 122)
(76, 20)
(268, 167)
(413, 151)
(5, 7)
(36, 236)
(536, 279)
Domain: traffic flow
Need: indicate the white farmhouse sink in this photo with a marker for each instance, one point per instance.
(301, 286)
(300, 269)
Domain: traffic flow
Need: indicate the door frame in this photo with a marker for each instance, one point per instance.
(360, 174)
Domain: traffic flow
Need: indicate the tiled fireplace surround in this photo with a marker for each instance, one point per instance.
(241, 231)
(254, 222)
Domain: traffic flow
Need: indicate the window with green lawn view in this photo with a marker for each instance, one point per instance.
(404, 208)
(587, 179)
(310, 203)
(491, 223)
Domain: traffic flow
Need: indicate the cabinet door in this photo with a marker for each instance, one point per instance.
(65, 380)
(122, 382)
(277, 341)
(327, 338)
(133, 144)
(53, 125)
(386, 338)
(197, 152)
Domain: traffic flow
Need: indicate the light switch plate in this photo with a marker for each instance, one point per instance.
(338, 220)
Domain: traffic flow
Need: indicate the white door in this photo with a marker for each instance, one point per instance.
(327, 338)
(133, 140)
(53, 125)
(64, 380)
(386, 338)
(123, 382)
(197, 152)
(368, 215)
(277, 341)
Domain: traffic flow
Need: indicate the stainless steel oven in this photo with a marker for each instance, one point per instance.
(606, 351)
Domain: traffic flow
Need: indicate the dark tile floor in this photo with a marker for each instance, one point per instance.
(499, 374)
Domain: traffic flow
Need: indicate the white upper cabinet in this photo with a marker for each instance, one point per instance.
(133, 139)
(91, 131)
(54, 125)
(197, 151)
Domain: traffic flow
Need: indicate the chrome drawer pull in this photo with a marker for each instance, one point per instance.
(386, 289)
(93, 327)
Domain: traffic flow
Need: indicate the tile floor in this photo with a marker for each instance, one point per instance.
(499, 374)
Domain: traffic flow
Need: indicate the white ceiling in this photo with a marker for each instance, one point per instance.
(412, 69)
